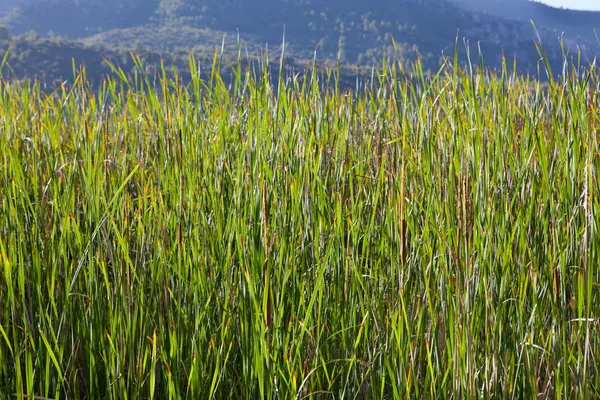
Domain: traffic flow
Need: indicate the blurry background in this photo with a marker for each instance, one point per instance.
(47, 34)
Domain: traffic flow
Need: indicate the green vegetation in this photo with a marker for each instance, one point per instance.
(421, 237)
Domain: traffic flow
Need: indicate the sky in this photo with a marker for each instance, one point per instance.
(574, 4)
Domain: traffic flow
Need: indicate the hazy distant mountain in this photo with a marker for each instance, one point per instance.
(76, 18)
(356, 31)
(571, 22)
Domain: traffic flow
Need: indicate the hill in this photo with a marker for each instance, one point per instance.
(573, 23)
(352, 31)
(51, 62)
(75, 18)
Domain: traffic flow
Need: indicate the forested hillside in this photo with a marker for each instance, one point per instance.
(352, 31)
(572, 22)
(76, 18)
(577, 27)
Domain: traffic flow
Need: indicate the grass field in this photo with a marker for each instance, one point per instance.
(421, 237)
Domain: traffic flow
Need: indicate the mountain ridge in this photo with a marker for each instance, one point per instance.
(351, 31)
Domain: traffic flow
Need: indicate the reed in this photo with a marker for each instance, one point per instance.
(426, 237)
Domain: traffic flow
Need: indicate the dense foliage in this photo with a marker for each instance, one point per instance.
(416, 238)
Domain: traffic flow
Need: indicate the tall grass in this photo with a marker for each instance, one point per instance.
(423, 237)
